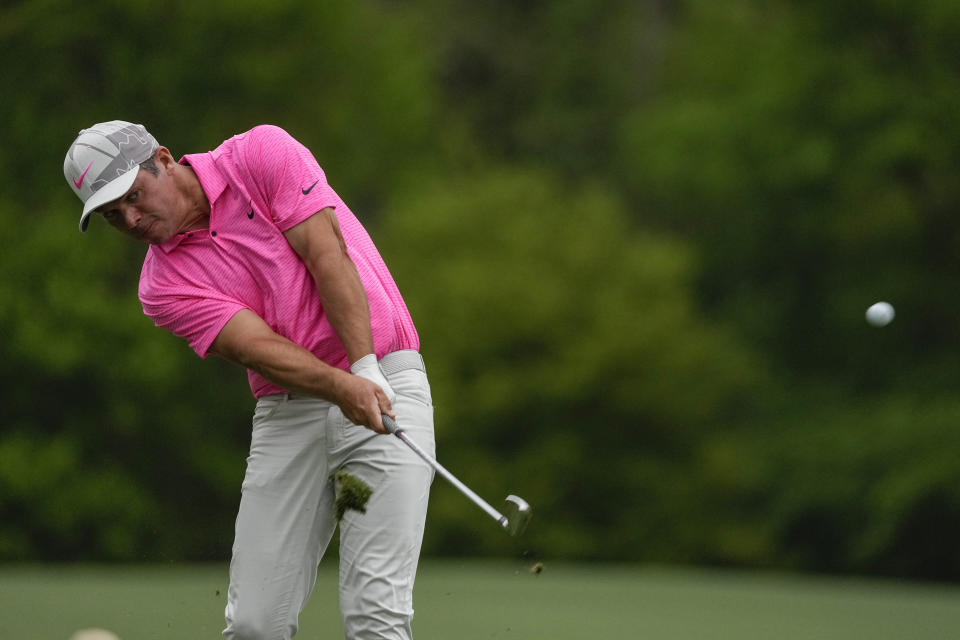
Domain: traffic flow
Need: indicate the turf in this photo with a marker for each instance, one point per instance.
(484, 599)
(353, 494)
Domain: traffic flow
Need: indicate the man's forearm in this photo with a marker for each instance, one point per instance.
(291, 367)
(247, 340)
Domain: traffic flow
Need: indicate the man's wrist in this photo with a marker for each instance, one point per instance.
(340, 385)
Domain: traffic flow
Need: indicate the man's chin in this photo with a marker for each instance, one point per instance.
(154, 234)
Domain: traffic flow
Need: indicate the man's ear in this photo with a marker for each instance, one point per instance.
(164, 159)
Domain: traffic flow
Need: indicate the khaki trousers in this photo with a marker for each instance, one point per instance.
(286, 516)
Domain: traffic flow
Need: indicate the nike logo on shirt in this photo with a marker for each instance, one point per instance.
(310, 188)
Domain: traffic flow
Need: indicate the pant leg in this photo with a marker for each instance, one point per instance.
(285, 520)
(379, 550)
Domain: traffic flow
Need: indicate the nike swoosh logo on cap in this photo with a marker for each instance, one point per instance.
(79, 183)
(310, 188)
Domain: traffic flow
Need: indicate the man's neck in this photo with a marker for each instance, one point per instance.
(197, 205)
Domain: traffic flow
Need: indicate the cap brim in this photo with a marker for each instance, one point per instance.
(111, 191)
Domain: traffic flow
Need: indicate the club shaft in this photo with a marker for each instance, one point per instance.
(439, 468)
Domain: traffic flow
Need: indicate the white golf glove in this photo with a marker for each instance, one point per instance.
(368, 367)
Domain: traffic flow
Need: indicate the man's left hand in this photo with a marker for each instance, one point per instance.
(368, 367)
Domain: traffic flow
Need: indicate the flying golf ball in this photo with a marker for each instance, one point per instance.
(880, 314)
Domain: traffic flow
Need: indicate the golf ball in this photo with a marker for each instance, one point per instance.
(880, 314)
(94, 634)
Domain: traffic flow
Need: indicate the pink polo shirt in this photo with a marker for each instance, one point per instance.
(260, 184)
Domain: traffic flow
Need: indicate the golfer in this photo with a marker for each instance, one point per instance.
(253, 257)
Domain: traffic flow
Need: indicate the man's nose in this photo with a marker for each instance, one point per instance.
(131, 217)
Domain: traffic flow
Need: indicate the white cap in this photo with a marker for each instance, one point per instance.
(103, 162)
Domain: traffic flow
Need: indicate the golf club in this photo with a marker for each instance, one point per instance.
(517, 508)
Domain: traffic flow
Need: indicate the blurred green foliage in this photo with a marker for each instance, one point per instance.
(545, 338)
(637, 242)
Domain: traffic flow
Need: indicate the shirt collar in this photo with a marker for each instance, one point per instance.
(205, 167)
(172, 243)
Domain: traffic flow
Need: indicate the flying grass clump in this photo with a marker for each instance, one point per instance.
(353, 494)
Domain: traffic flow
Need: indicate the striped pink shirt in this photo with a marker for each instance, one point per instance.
(260, 184)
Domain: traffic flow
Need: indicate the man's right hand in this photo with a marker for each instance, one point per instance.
(363, 402)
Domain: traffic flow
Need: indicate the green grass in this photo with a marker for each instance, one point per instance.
(487, 599)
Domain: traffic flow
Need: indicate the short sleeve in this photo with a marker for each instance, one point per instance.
(196, 316)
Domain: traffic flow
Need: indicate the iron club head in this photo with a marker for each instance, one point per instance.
(518, 515)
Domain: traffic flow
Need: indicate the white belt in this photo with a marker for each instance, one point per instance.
(401, 361)
(390, 364)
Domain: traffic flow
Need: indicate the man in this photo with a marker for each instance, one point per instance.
(254, 258)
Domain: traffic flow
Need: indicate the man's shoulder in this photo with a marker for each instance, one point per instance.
(253, 150)
(171, 280)
(257, 137)
(152, 271)
(160, 274)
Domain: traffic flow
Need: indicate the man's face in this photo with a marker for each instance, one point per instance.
(150, 210)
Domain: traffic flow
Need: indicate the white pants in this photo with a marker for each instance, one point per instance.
(286, 517)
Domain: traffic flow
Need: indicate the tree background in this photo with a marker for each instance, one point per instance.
(637, 240)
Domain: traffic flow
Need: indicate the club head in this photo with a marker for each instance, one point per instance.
(518, 514)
